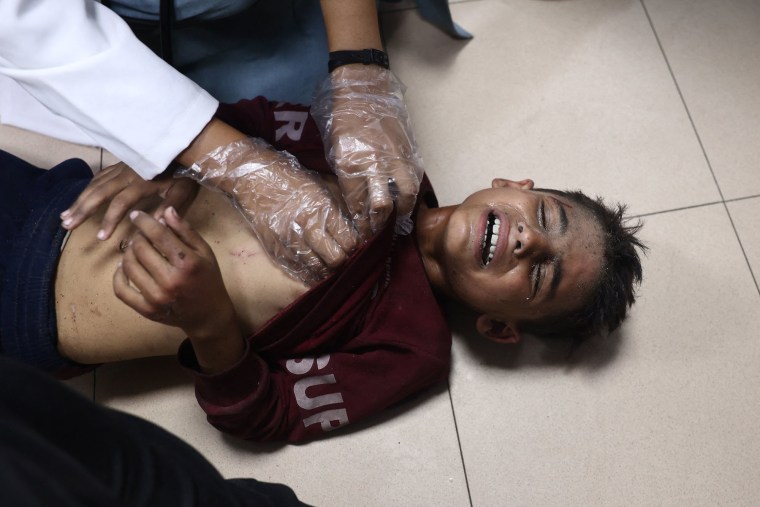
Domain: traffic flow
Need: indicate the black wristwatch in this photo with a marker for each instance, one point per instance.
(365, 56)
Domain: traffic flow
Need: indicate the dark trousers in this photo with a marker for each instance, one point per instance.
(59, 448)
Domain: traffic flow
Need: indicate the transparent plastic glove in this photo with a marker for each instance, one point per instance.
(292, 213)
(362, 116)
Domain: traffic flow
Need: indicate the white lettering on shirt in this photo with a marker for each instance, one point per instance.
(328, 419)
(306, 403)
(296, 121)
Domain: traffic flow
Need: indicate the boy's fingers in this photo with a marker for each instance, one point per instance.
(129, 295)
(154, 264)
(184, 231)
(162, 238)
(135, 270)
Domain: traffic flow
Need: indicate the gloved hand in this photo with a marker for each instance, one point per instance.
(292, 213)
(362, 116)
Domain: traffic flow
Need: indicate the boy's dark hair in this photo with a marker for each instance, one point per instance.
(614, 292)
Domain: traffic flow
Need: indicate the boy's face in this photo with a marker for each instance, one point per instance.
(515, 254)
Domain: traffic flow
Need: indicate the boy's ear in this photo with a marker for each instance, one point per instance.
(522, 184)
(496, 330)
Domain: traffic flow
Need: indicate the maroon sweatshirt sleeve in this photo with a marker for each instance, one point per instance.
(304, 398)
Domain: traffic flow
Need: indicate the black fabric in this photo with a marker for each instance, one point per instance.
(58, 448)
(31, 200)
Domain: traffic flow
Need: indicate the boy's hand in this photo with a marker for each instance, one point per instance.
(292, 213)
(361, 113)
(169, 274)
(123, 189)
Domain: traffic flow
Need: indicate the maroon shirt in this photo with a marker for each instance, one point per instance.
(367, 337)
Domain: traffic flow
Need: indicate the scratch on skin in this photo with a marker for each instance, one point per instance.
(242, 252)
(94, 310)
(73, 309)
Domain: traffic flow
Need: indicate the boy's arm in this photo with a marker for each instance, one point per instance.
(169, 274)
(302, 399)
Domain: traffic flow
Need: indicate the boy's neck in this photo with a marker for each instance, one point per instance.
(429, 231)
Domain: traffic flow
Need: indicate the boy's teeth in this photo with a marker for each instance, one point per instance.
(491, 238)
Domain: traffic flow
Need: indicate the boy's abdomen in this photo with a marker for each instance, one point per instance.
(94, 326)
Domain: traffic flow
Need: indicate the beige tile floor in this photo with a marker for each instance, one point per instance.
(651, 102)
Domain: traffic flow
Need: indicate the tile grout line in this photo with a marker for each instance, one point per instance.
(672, 210)
(694, 206)
(699, 140)
(683, 100)
(459, 443)
(738, 238)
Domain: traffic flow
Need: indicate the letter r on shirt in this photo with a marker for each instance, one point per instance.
(296, 120)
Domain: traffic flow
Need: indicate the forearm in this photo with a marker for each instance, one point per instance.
(215, 134)
(219, 172)
(219, 348)
(351, 24)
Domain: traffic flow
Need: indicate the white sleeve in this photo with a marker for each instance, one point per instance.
(82, 62)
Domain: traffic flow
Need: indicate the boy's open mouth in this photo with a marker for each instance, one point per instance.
(490, 239)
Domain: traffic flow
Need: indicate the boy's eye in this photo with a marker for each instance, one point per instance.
(542, 214)
(535, 275)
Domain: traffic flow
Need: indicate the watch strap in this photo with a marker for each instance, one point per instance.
(363, 56)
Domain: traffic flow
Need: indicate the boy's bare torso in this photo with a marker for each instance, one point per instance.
(95, 327)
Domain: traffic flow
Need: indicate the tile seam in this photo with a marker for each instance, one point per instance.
(699, 141)
(459, 444)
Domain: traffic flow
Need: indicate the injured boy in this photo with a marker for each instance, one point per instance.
(271, 357)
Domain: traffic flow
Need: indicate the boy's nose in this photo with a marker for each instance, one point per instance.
(530, 241)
